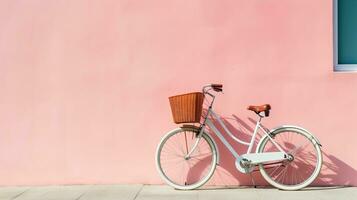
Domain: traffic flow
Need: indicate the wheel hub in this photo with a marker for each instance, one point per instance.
(290, 157)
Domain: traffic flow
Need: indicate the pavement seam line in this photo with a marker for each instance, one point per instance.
(137, 194)
(80, 196)
(16, 196)
(84, 192)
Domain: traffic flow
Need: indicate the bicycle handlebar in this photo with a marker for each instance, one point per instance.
(215, 87)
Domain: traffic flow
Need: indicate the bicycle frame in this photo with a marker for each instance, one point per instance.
(253, 158)
(226, 143)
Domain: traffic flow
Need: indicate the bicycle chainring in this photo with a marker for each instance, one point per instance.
(243, 165)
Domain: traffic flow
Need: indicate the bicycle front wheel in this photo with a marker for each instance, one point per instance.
(179, 171)
(304, 158)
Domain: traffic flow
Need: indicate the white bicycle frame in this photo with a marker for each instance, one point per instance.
(252, 158)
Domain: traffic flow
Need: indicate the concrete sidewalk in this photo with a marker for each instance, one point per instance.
(150, 192)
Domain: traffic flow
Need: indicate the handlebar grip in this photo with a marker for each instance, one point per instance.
(217, 87)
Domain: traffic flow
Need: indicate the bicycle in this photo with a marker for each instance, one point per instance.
(288, 157)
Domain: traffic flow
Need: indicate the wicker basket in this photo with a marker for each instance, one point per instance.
(187, 108)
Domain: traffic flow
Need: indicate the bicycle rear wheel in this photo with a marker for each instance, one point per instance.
(186, 173)
(304, 160)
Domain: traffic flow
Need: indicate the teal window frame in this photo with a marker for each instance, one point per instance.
(352, 67)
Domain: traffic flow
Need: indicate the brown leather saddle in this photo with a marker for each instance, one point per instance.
(262, 108)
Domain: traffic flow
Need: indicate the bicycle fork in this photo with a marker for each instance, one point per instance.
(199, 136)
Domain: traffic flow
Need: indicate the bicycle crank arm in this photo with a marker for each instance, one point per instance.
(259, 158)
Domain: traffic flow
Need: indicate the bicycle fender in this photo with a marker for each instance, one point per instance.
(299, 128)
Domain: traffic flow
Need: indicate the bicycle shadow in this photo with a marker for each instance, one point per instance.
(334, 171)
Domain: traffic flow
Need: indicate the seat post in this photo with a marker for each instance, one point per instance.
(259, 118)
(254, 134)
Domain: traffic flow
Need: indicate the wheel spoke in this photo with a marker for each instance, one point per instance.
(203, 156)
(276, 168)
(303, 165)
(186, 173)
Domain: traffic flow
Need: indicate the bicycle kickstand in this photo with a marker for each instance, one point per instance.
(251, 176)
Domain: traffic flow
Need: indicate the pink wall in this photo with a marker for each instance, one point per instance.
(84, 84)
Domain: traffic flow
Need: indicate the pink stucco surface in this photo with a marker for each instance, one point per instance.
(84, 84)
